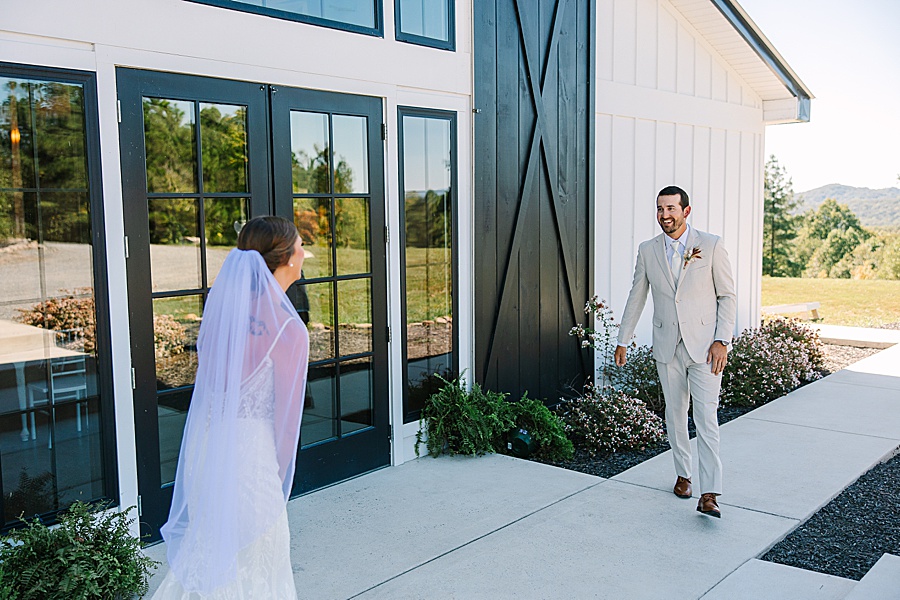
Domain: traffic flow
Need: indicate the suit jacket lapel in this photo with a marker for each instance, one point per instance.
(693, 241)
(661, 255)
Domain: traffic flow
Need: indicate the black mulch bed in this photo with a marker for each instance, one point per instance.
(848, 536)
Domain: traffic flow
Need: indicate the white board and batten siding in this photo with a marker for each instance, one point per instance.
(671, 111)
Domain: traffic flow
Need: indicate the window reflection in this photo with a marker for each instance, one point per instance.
(49, 407)
(223, 144)
(425, 18)
(351, 173)
(170, 146)
(351, 12)
(428, 256)
(312, 216)
(351, 232)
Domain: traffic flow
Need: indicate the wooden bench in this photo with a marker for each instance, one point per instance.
(785, 309)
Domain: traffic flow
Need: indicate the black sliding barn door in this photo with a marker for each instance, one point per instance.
(533, 159)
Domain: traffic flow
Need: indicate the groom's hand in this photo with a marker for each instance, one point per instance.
(717, 357)
(620, 356)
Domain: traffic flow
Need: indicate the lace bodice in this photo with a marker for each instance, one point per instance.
(258, 393)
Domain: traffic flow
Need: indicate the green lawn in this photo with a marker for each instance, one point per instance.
(857, 302)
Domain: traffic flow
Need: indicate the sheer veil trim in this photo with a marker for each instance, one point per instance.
(243, 422)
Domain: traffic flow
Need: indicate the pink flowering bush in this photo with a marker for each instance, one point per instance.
(768, 362)
(638, 378)
(604, 419)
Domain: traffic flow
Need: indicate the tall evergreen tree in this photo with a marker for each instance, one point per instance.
(779, 223)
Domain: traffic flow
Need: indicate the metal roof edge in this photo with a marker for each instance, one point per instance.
(745, 26)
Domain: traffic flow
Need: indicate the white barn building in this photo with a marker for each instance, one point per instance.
(465, 174)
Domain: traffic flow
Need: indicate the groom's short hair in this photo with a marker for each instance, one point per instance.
(674, 190)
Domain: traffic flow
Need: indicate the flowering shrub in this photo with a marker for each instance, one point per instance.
(72, 314)
(169, 336)
(604, 419)
(603, 339)
(639, 378)
(766, 363)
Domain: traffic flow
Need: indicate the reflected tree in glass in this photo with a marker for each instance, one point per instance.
(169, 145)
(223, 142)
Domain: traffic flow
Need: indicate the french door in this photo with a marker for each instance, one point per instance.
(199, 158)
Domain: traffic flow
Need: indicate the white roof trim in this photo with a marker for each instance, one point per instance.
(727, 27)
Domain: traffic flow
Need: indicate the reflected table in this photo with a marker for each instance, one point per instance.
(21, 344)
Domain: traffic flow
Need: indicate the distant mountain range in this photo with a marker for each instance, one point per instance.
(875, 208)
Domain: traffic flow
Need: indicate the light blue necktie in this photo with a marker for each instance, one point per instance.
(677, 261)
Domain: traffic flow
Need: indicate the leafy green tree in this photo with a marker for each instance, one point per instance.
(779, 224)
(888, 257)
(828, 237)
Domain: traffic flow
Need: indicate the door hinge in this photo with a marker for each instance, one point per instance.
(126, 246)
(119, 110)
(390, 434)
(140, 507)
(133, 384)
(389, 333)
(387, 235)
(383, 131)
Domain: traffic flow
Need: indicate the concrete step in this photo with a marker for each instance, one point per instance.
(860, 337)
(758, 579)
(882, 582)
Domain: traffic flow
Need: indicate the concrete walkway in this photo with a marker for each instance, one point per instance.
(496, 527)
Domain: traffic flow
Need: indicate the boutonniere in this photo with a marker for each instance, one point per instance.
(692, 255)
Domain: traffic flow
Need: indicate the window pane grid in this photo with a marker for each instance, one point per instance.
(50, 436)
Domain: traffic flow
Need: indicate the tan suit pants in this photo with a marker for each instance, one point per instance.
(683, 379)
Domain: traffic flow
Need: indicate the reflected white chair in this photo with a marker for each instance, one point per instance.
(68, 381)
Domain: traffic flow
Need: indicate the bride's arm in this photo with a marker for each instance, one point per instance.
(290, 357)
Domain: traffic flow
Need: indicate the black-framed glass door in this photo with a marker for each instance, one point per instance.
(329, 176)
(199, 157)
(194, 162)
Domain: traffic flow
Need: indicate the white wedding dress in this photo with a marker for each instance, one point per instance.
(227, 535)
(263, 569)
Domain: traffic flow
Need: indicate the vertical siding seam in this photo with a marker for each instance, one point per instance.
(656, 49)
(636, 49)
(694, 63)
(612, 40)
(610, 200)
(740, 171)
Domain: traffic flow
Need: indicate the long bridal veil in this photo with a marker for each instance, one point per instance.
(250, 332)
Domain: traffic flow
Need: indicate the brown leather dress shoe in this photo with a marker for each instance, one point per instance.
(683, 487)
(709, 506)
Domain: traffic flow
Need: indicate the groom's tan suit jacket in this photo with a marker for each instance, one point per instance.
(700, 310)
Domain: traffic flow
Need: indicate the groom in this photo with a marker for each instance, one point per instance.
(693, 320)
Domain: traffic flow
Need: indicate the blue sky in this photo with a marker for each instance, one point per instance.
(848, 55)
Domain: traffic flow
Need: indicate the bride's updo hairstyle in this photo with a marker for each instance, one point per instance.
(272, 237)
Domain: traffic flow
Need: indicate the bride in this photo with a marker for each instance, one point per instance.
(227, 535)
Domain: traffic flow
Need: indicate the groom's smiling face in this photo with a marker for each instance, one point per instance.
(671, 216)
